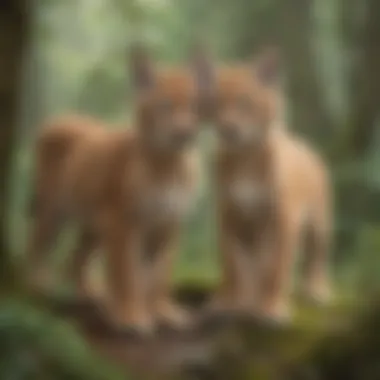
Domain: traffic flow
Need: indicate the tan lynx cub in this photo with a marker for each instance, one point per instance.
(271, 187)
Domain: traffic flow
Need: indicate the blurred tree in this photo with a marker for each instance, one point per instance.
(365, 99)
(308, 111)
(14, 29)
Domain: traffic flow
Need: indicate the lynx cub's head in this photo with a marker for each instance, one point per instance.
(247, 102)
(168, 101)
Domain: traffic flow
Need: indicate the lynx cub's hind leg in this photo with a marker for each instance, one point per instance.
(78, 269)
(44, 231)
(316, 285)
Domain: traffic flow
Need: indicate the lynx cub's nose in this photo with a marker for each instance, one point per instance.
(229, 132)
(247, 194)
(183, 137)
(164, 203)
(176, 200)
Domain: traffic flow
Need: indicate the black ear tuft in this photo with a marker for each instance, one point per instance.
(203, 68)
(205, 75)
(267, 65)
(141, 67)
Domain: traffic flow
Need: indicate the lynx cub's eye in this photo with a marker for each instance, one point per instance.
(165, 106)
(194, 105)
(244, 104)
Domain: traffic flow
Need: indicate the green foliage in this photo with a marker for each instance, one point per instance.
(35, 345)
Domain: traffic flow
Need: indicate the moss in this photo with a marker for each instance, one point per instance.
(260, 351)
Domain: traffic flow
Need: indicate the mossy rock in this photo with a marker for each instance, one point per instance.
(264, 351)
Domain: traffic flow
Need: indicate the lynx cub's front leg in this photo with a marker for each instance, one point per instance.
(275, 304)
(170, 205)
(125, 278)
(78, 269)
(163, 252)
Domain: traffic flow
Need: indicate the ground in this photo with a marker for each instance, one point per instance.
(248, 347)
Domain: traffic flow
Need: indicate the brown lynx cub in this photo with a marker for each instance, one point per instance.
(130, 190)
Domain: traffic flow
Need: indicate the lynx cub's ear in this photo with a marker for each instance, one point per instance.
(203, 68)
(141, 68)
(267, 66)
(204, 71)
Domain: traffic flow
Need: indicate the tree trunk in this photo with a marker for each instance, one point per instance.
(365, 98)
(308, 111)
(13, 35)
